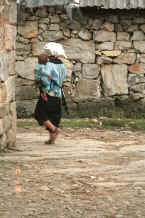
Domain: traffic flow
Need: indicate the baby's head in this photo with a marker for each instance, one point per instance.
(42, 59)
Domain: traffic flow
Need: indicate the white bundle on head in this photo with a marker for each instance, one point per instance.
(54, 49)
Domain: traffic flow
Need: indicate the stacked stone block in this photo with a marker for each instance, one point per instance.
(8, 19)
(105, 48)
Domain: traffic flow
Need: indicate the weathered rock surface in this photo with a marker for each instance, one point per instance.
(79, 50)
(90, 71)
(125, 58)
(8, 17)
(105, 46)
(3, 66)
(53, 36)
(25, 69)
(114, 79)
(29, 29)
(91, 42)
(103, 36)
(37, 47)
(137, 68)
(89, 88)
(139, 45)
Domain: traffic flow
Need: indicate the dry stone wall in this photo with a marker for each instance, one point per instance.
(8, 19)
(106, 57)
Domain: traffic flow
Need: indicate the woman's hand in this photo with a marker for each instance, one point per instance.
(38, 85)
(43, 95)
(67, 90)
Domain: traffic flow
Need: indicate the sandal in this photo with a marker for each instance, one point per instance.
(54, 134)
(51, 131)
(55, 131)
(48, 142)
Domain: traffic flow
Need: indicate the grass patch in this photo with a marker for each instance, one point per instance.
(25, 123)
(79, 123)
(114, 123)
(137, 124)
(103, 122)
(124, 123)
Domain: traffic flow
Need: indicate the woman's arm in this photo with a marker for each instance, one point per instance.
(46, 74)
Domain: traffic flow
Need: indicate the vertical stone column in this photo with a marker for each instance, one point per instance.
(8, 20)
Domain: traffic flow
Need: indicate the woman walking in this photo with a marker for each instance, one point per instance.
(48, 108)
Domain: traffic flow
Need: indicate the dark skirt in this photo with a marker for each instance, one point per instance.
(48, 110)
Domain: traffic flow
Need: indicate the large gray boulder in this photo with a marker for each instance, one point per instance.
(80, 50)
(25, 69)
(114, 79)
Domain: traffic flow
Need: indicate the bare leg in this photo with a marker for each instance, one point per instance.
(49, 125)
(53, 131)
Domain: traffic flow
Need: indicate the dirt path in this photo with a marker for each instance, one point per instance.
(89, 173)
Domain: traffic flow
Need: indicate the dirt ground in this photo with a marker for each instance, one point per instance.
(88, 173)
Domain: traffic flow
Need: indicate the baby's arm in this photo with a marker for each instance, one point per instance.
(45, 72)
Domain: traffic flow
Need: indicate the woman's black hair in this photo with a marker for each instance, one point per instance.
(55, 60)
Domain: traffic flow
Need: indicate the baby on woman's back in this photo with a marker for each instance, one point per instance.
(42, 74)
